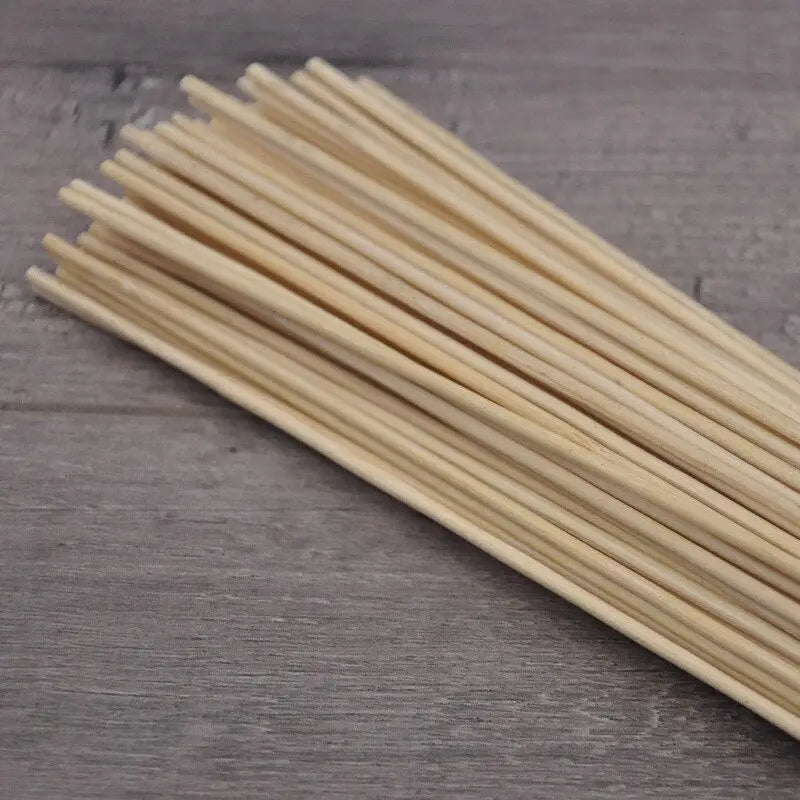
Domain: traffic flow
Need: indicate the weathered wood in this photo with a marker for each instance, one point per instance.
(193, 605)
(705, 221)
(205, 606)
(734, 39)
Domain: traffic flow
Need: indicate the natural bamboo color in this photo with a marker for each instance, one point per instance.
(268, 354)
(590, 388)
(360, 462)
(339, 265)
(133, 258)
(481, 397)
(441, 144)
(481, 305)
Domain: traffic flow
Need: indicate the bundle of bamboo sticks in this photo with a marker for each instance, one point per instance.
(331, 260)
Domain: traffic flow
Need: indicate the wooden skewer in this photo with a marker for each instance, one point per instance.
(402, 338)
(277, 359)
(695, 317)
(246, 396)
(327, 259)
(198, 334)
(183, 253)
(132, 258)
(272, 92)
(474, 207)
(105, 244)
(276, 108)
(677, 631)
(312, 87)
(755, 400)
(507, 319)
(256, 293)
(207, 225)
(331, 260)
(550, 372)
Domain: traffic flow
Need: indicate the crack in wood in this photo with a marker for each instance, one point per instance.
(118, 74)
(109, 128)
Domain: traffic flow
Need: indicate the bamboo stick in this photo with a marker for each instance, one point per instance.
(267, 356)
(693, 315)
(492, 437)
(342, 451)
(624, 479)
(756, 401)
(559, 373)
(505, 317)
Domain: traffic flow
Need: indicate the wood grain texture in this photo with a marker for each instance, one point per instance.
(192, 604)
(733, 37)
(224, 612)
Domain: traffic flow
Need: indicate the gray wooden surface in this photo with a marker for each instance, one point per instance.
(194, 605)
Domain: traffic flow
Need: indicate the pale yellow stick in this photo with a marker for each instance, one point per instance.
(256, 292)
(646, 528)
(276, 108)
(232, 223)
(266, 104)
(537, 201)
(123, 253)
(273, 158)
(316, 89)
(460, 199)
(274, 92)
(695, 316)
(347, 455)
(512, 500)
(676, 630)
(746, 395)
(355, 94)
(510, 320)
(567, 479)
(222, 226)
(553, 378)
(732, 510)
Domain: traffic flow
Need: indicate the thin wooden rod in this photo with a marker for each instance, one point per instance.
(344, 453)
(386, 106)
(752, 398)
(400, 336)
(185, 250)
(665, 436)
(124, 254)
(510, 320)
(267, 356)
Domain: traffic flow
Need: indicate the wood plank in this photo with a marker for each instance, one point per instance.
(206, 607)
(192, 604)
(54, 126)
(681, 37)
(707, 222)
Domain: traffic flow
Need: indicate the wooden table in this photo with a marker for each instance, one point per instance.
(193, 605)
